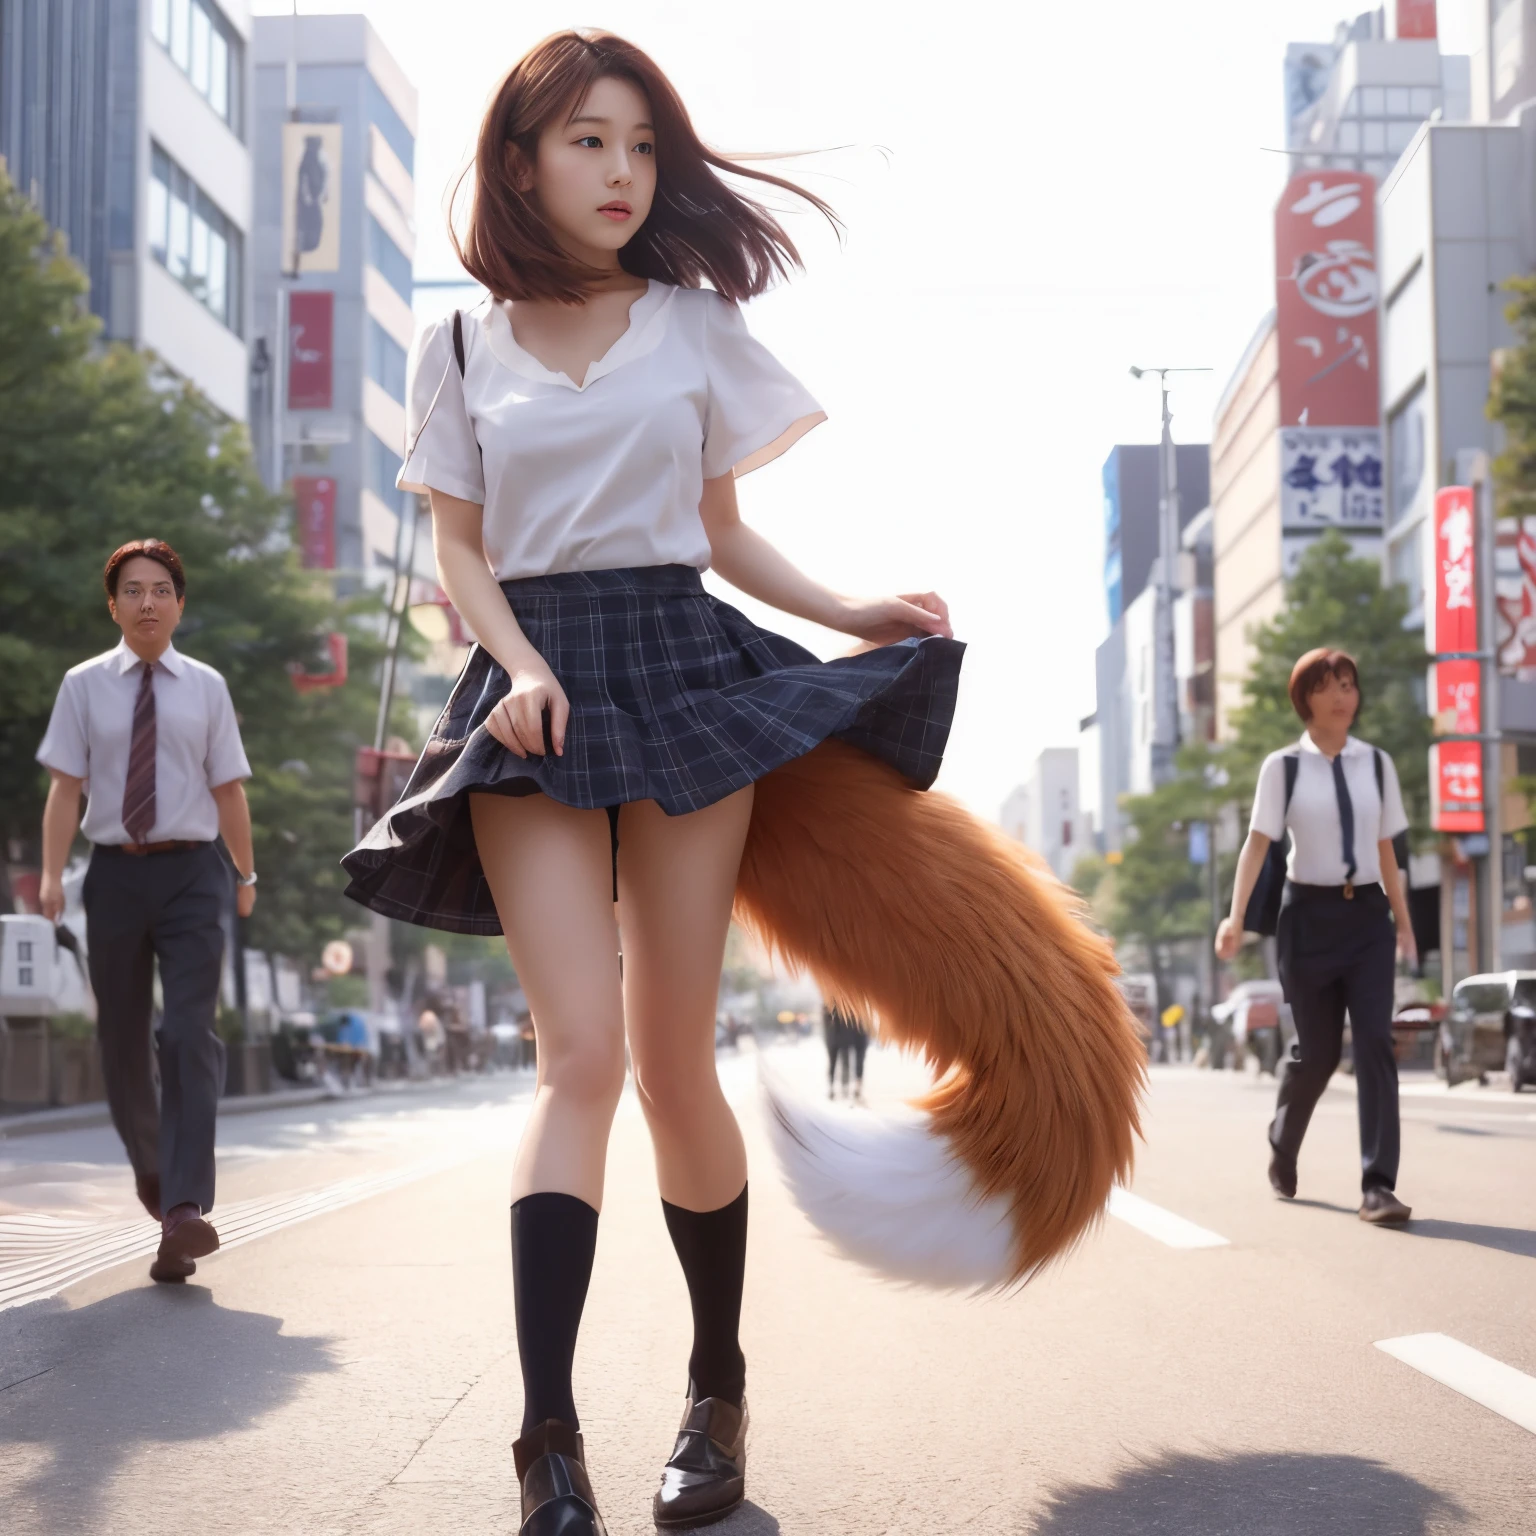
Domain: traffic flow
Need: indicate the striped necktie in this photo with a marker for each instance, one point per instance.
(139, 790)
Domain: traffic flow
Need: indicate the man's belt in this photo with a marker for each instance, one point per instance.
(139, 850)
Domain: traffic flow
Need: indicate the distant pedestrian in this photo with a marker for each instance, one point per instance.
(1339, 798)
(847, 1041)
(150, 736)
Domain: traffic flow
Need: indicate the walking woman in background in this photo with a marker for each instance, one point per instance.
(847, 1041)
(626, 756)
(1339, 798)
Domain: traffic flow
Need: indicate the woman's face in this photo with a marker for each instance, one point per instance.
(595, 172)
(1334, 702)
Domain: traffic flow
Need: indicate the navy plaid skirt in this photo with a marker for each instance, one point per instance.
(675, 697)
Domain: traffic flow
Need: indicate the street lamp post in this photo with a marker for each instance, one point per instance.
(1165, 701)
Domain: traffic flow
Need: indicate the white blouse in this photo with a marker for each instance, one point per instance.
(1317, 838)
(608, 473)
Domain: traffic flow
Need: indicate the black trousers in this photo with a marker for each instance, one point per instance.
(1336, 956)
(167, 907)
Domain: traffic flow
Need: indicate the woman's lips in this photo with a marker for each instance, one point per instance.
(616, 211)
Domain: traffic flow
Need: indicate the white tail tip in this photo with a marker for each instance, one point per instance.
(888, 1192)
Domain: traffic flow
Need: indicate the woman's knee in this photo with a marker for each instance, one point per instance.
(674, 1091)
(586, 1068)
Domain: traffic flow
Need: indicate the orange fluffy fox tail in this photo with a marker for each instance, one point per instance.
(947, 934)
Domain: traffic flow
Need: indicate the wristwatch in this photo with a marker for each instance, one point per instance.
(249, 879)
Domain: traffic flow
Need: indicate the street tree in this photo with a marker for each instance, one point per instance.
(101, 445)
(1512, 403)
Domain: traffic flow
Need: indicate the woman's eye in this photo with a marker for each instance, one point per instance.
(645, 149)
(590, 141)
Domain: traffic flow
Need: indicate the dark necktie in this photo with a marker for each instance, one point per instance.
(139, 790)
(1346, 823)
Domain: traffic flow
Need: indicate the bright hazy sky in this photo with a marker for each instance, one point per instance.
(1036, 197)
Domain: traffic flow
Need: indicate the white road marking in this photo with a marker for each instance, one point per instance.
(1487, 1381)
(1167, 1228)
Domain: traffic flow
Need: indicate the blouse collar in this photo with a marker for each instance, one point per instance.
(647, 325)
(1353, 746)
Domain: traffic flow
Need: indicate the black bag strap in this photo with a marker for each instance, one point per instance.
(1292, 761)
(458, 354)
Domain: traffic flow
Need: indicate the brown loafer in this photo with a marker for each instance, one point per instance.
(556, 1492)
(1383, 1208)
(185, 1238)
(706, 1476)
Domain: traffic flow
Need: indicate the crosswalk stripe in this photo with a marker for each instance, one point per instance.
(1166, 1227)
(1488, 1382)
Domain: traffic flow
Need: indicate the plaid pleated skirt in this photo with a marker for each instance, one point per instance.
(675, 697)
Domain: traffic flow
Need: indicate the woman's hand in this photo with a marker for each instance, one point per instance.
(1229, 939)
(517, 721)
(884, 620)
(1407, 948)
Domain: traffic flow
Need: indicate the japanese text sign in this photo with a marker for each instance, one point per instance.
(1456, 697)
(314, 507)
(1451, 620)
(1326, 294)
(1330, 479)
(1456, 786)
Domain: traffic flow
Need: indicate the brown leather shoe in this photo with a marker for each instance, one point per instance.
(147, 1187)
(706, 1476)
(185, 1237)
(552, 1473)
(1383, 1208)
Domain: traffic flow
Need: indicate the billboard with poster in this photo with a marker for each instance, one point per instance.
(1456, 786)
(1330, 477)
(1515, 597)
(1326, 295)
(314, 508)
(1450, 610)
(311, 197)
(1415, 19)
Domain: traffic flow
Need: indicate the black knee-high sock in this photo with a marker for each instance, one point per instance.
(712, 1246)
(553, 1240)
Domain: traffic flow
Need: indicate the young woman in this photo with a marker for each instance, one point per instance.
(1343, 912)
(621, 739)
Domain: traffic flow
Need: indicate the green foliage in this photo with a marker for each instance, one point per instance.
(99, 446)
(350, 991)
(1337, 600)
(1512, 403)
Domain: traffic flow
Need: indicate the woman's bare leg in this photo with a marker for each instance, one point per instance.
(550, 873)
(548, 867)
(677, 883)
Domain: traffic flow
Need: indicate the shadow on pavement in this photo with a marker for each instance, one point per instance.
(84, 1390)
(750, 1520)
(1517, 1240)
(1258, 1495)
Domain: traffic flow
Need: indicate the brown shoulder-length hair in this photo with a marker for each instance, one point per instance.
(1314, 669)
(699, 230)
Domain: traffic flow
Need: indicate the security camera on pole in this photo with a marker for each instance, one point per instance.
(1165, 737)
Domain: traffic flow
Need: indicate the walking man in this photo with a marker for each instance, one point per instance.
(149, 736)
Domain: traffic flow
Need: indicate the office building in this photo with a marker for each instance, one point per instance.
(333, 255)
(1043, 812)
(127, 125)
(1131, 496)
(1503, 58)
(1355, 103)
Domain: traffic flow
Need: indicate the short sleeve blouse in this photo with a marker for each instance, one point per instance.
(608, 473)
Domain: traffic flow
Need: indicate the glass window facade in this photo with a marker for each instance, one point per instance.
(391, 261)
(383, 465)
(386, 361)
(390, 124)
(205, 48)
(193, 241)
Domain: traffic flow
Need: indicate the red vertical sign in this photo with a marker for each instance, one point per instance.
(1416, 18)
(314, 506)
(311, 331)
(1451, 622)
(1456, 694)
(1325, 300)
(1456, 786)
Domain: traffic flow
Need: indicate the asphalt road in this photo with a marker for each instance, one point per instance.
(1207, 1363)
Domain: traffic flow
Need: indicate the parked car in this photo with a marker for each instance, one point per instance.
(1416, 1032)
(1255, 1014)
(1491, 1026)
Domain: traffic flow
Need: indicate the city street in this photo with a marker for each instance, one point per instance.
(1207, 1363)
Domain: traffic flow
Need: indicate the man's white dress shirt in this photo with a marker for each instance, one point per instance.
(197, 742)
